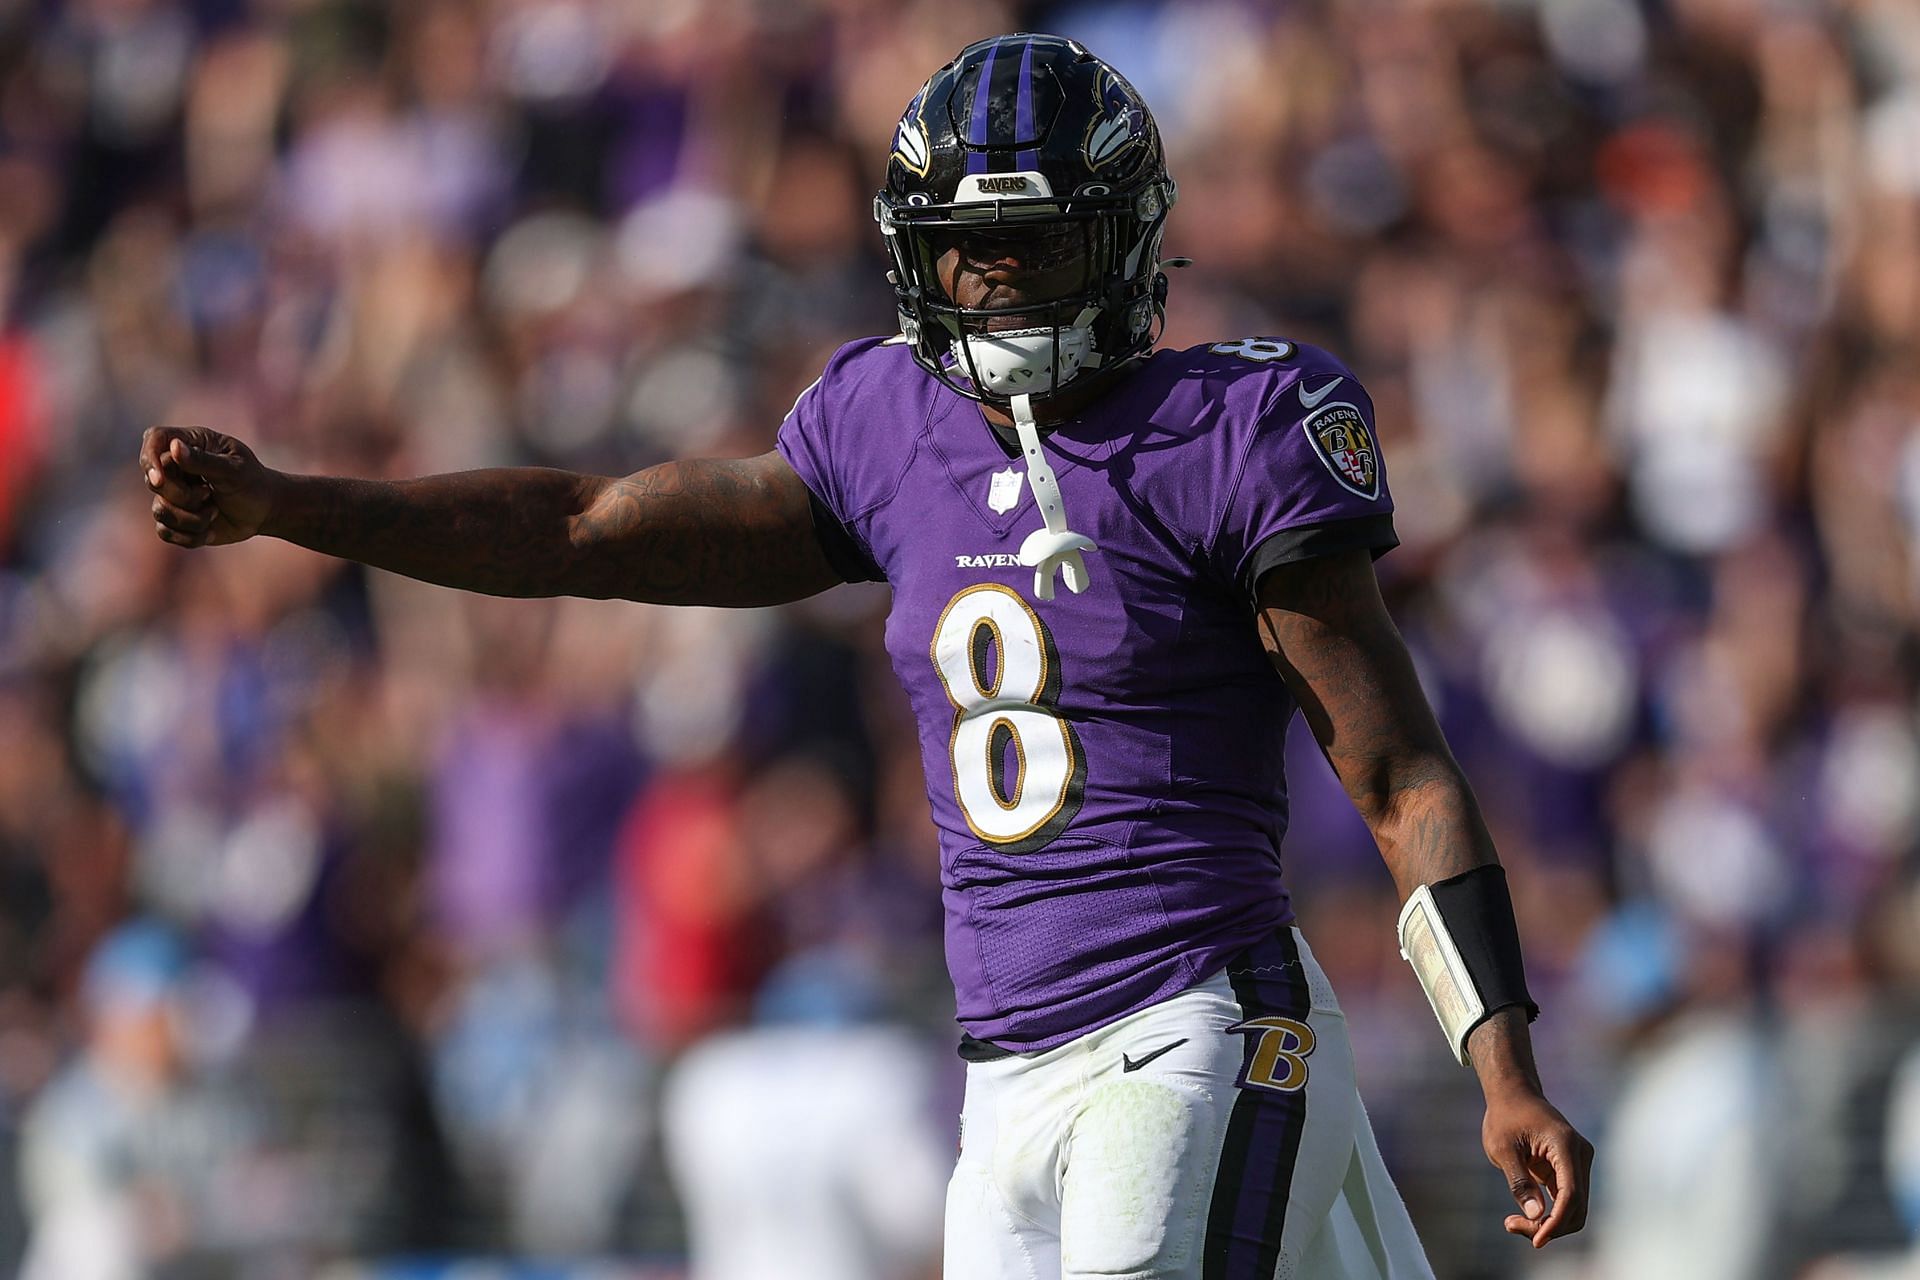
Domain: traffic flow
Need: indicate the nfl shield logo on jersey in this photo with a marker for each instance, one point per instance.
(1004, 493)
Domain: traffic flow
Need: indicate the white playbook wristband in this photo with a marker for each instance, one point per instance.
(1426, 944)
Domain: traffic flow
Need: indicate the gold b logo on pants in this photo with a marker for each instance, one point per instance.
(1280, 1056)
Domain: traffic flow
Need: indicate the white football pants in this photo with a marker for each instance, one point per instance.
(1217, 1135)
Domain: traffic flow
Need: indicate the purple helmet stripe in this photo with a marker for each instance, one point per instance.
(1023, 111)
(977, 129)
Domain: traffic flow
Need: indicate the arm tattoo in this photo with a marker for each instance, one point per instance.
(735, 532)
(1327, 632)
(705, 532)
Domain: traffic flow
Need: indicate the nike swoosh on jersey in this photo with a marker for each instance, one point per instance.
(1128, 1064)
(1310, 400)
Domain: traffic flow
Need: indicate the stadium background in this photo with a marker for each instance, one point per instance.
(346, 920)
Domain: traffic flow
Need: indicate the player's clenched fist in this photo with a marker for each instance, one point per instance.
(208, 488)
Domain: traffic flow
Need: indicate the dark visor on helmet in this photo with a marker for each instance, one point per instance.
(1047, 262)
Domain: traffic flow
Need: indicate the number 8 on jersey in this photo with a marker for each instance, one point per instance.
(1002, 674)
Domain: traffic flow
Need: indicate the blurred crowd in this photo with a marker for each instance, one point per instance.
(348, 925)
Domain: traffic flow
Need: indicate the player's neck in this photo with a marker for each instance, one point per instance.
(1055, 409)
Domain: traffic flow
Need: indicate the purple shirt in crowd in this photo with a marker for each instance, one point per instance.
(1105, 769)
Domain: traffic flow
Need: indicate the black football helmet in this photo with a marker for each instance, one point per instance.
(1028, 135)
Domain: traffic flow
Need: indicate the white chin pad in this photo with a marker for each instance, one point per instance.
(1021, 360)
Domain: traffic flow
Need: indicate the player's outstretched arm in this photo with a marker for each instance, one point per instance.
(1326, 628)
(735, 532)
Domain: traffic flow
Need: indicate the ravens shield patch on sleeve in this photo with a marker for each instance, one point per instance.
(1341, 437)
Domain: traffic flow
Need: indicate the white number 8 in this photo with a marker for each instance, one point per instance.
(1261, 350)
(1013, 711)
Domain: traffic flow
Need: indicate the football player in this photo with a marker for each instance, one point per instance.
(1116, 572)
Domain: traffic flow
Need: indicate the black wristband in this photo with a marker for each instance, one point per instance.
(1479, 915)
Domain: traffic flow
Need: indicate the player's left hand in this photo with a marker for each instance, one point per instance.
(1546, 1161)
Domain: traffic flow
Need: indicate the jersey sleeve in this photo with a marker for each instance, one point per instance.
(806, 442)
(1311, 481)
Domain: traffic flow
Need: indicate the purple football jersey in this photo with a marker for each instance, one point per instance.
(1104, 768)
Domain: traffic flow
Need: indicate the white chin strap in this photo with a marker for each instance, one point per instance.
(1054, 547)
(1015, 361)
